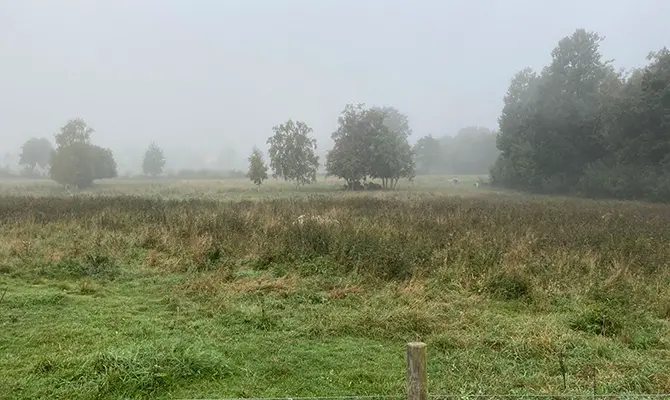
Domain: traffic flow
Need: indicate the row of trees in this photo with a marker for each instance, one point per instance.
(75, 161)
(370, 143)
(472, 151)
(581, 127)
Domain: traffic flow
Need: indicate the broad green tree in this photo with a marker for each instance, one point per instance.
(78, 162)
(371, 143)
(258, 171)
(75, 131)
(292, 153)
(557, 126)
(580, 127)
(36, 153)
(153, 161)
(349, 158)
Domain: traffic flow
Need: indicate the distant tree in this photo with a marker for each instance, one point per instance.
(391, 158)
(79, 164)
(153, 161)
(76, 161)
(104, 163)
(428, 155)
(471, 151)
(349, 157)
(36, 152)
(371, 143)
(292, 153)
(75, 131)
(258, 171)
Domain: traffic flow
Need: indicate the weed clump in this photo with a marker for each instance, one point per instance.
(92, 266)
(599, 319)
(509, 286)
(150, 370)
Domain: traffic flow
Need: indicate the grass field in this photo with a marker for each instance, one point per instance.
(206, 289)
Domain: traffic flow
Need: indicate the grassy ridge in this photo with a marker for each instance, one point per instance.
(123, 296)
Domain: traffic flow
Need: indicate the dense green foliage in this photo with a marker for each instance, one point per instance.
(153, 161)
(472, 151)
(258, 171)
(36, 152)
(76, 161)
(292, 153)
(580, 127)
(135, 297)
(371, 143)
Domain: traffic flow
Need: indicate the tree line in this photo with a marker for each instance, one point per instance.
(369, 143)
(581, 127)
(472, 151)
(578, 126)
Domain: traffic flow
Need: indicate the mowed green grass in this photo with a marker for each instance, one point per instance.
(207, 290)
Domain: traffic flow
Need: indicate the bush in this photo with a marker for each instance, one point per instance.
(79, 164)
(599, 319)
(509, 285)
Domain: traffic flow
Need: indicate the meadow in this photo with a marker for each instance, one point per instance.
(209, 289)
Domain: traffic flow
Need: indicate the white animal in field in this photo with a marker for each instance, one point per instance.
(455, 180)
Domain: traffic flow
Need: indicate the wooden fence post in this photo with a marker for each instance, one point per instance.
(417, 376)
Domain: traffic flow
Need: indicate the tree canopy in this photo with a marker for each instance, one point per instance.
(258, 171)
(76, 161)
(75, 131)
(36, 153)
(292, 153)
(580, 127)
(371, 143)
(153, 161)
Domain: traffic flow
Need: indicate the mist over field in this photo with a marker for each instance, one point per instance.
(206, 78)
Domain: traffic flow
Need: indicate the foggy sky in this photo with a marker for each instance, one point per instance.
(209, 74)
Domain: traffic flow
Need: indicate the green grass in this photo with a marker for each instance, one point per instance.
(213, 292)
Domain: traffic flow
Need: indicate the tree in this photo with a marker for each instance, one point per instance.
(552, 121)
(153, 161)
(75, 131)
(580, 127)
(292, 153)
(349, 158)
(395, 121)
(391, 158)
(76, 161)
(36, 152)
(428, 154)
(513, 167)
(258, 171)
(104, 164)
(471, 151)
(636, 163)
(371, 143)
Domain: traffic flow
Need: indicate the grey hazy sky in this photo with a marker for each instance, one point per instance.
(226, 71)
